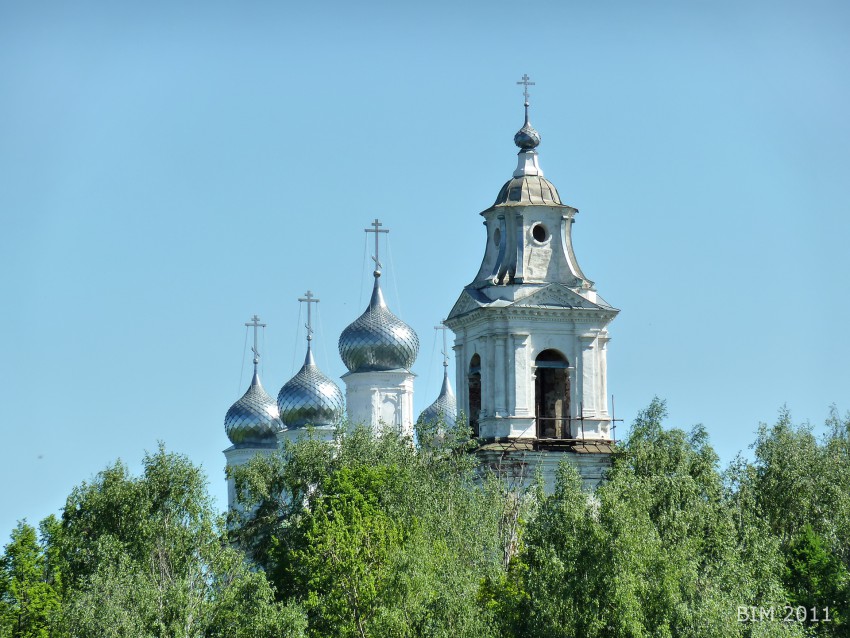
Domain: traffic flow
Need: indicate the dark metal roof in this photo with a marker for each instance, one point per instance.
(528, 189)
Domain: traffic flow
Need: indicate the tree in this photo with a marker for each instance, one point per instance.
(797, 489)
(653, 552)
(146, 556)
(816, 579)
(27, 597)
(374, 537)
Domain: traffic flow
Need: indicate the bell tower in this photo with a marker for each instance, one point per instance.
(531, 331)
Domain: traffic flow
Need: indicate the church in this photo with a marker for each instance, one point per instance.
(530, 349)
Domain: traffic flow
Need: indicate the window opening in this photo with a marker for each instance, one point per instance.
(552, 396)
(474, 392)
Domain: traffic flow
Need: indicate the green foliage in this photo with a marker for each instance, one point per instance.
(369, 536)
(815, 577)
(28, 598)
(376, 538)
(350, 540)
(653, 552)
(145, 556)
(796, 492)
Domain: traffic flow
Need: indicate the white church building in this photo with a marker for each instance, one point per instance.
(531, 346)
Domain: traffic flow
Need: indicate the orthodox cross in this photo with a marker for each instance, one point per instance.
(444, 328)
(255, 321)
(309, 299)
(376, 228)
(526, 82)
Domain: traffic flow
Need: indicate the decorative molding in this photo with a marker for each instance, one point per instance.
(463, 305)
(555, 296)
(485, 315)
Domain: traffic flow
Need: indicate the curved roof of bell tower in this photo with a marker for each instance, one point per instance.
(528, 190)
(528, 186)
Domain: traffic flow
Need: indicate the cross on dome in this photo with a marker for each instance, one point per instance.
(255, 322)
(308, 298)
(376, 228)
(445, 353)
(526, 82)
(527, 138)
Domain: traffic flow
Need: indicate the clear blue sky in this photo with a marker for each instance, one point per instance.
(167, 169)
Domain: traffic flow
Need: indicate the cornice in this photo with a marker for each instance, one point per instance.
(564, 315)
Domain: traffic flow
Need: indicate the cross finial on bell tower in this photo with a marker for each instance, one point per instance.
(526, 82)
(376, 228)
(255, 322)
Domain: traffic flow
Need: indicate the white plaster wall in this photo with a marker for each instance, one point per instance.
(380, 399)
(551, 260)
(508, 346)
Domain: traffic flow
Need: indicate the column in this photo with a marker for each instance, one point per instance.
(603, 374)
(510, 375)
(500, 374)
(588, 376)
(521, 374)
(488, 368)
(461, 373)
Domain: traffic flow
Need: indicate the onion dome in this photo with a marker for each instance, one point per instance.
(445, 407)
(253, 420)
(527, 138)
(377, 339)
(310, 398)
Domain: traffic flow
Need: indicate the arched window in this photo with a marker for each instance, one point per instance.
(474, 380)
(552, 395)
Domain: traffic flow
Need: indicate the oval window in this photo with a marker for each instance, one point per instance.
(538, 231)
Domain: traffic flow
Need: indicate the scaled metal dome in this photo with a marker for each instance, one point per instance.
(310, 398)
(377, 339)
(253, 420)
(445, 407)
(527, 137)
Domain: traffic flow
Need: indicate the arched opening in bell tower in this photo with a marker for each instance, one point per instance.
(474, 385)
(552, 395)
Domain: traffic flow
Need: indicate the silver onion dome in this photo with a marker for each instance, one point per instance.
(527, 138)
(253, 421)
(445, 407)
(310, 398)
(377, 339)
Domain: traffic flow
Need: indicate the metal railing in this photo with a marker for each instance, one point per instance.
(569, 421)
(569, 425)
